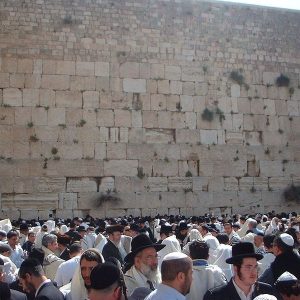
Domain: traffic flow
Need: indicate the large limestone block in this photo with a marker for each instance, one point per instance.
(67, 200)
(253, 184)
(116, 151)
(122, 118)
(47, 98)
(131, 85)
(49, 184)
(293, 108)
(89, 200)
(85, 68)
(200, 183)
(175, 87)
(270, 77)
(157, 71)
(187, 136)
(271, 168)
(165, 168)
(17, 81)
(7, 116)
(91, 99)
(9, 65)
(34, 201)
(12, 97)
(105, 117)
(4, 80)
(25, 66)
(107, 184)
(65, 67)
(56, 116)
(231, 184)
(39, 116)
(6, 184)
(173, 199)
(235, 90)
(82, 83)
(292, 169)
(71, 151)
(180, 184)
(208, 137)
(157, 184)
(21, 150)
(55, 82)
(159, 136)
(81, 185)
(178, 120)
(163, 87)
(68, 99)
(187, 103)
(188, 88)
(158, 102)
(102, 69)
(280, 183)
(192, 74)
(24, 185)
(150, 119)
(120, 167)
(130, 70)
(173, 72)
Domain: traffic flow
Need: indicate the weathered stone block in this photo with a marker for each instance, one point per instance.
(163, 168)
(116, 151)
(157, 184)
(175, 87)
(39, 116)
(120, 168)
(56, 116)
(65, 67)
(134, 85)
(105, 118)
(17, 80)
(25, 66)
(82, 83)
(157, 71)
(122, 118)
(180, 184)
(186, 103)
(68, 99)
(4, 80)
(187, 136)
(270, 168)
(102, 69)
(85, 68)
(47, 98)
(12, 97)
(235, 90)
(173, 72)
(150, 119)
(91, 99)
(55, 82)
(100, 150)
(80, 185)
(208, 137)
(163, 87)
(192, 74)
(160, 136)
(130, 70)
(188, 88)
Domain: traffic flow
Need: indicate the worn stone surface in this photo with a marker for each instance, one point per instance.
(153, 111)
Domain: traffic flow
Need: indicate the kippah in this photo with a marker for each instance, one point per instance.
(286, 277)
(287, 239)
(4, 247)
(104, 275)
(265, 297)
(175, 255)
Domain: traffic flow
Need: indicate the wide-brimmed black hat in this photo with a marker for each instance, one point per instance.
(243, 250)
(139, 243)
(114, 228)
(182, 225)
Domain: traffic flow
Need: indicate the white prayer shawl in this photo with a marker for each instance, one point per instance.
(50, 225)
(5, 225)
(249, 237)
(205, 278)
(76, 289)
(242, 232)
(224, 252)
(272, 228)
(10, 269)
(38, 239)
(88, 241)
(134, 279)
(265, 262)
(213, 244)
(172, 245)
(194, 235)
(99, 238)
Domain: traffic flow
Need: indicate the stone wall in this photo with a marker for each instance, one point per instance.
(145, 107)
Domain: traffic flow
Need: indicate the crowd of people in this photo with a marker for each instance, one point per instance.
(167, 257)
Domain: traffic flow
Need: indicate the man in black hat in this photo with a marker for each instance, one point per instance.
(182, 233)
(113, 247)
(107, 283)
(244, 284)
(143, 259)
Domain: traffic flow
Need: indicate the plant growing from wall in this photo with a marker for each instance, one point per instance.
(81, 123)
(282, 80)
(188, 174)
(140, 173)
(54, 150)
(237, 77)
(292, 193)
(33, 138)
(30, 124)
(109, 196)
(207, 115)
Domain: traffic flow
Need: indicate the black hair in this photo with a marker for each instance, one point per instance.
(91, 255)
(31, 266)
(199, 250)
(223, 238)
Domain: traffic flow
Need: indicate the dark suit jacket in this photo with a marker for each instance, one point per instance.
(49, 292)
(228, 292)
(110, 250)
(15, 295)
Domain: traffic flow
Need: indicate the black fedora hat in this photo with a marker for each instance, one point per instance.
(139, 243)
(243, 250)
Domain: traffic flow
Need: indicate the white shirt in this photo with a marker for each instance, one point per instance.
(66, 271)
(241, 292)
(17, 255)
(165, 292)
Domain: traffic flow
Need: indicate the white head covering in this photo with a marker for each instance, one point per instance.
(51, 225)
(63, 229)
(224, 252)
(242, 232)
(195, 235)
(213, 244)
(5, 225)
(78, 289)
(265, 297)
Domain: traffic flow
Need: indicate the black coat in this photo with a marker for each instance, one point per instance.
(228, 292)
(49, 292)
(110, 250)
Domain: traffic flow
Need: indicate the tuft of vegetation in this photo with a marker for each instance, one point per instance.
(75, 141)
(140, 173)
(204, 68)
(282, 80)
(253, 189)
(188, 174)
(30, 124)
(56, 157)
(33, 138)
(67, 20)
(45, 164)
(291, 91)
(221, 115)
(178, 106)
(54, 150)
(81, 123)
(292, 193)
(62, 126)
(237, 77)
(207, 115)
(280, 131)
(267, 151)
(109, 196)
(166, 159)
(236, 158)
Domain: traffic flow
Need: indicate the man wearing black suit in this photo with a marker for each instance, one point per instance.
(32, 277)
(243, 284)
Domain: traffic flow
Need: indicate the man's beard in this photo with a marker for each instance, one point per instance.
(150, 273)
